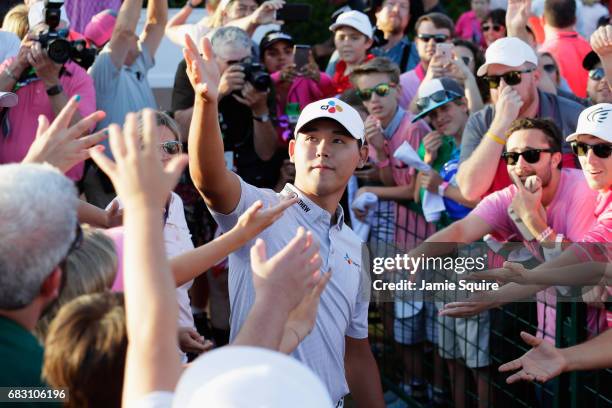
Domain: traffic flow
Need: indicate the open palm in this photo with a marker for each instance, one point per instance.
(202, 69)
(542, 363)
(518, 13)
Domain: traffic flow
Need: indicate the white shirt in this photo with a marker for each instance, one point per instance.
(9, 45)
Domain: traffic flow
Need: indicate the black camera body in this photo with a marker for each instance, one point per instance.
(256, 74)
(55, 42)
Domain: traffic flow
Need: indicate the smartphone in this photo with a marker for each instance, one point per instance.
(301, 56)
(445, 52)
(294, 12)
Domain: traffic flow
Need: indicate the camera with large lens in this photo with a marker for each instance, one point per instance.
(55, 42)
(257, 75)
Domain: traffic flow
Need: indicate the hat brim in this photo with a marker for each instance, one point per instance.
(8, 99)
(348, 132)
(427, 111)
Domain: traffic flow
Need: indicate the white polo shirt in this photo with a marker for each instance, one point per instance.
(343, 310)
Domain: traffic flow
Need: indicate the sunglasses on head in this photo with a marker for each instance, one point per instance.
(436, 97)
(439, 38)
(511, 78)
(380, 89)
(601, 150)
(172, 147)
(495, 27)
(597, 74)
(550, 68)
(531, 156)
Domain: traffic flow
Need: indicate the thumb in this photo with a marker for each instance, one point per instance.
(530, 339)
(513, 266)
(258, 252)
(43, 125)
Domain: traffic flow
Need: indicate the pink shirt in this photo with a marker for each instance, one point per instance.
(569, 49)
(468, 28)
(33, 101)
(410, 82)
(571, 213)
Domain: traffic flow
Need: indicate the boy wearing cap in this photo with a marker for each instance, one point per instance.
(352, 37)
(510, 70)
(327, 149)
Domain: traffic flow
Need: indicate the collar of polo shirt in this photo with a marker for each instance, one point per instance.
(310, 208)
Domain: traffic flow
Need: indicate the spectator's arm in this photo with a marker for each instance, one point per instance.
(219, 187)
(362, 373)
(517, 16)
(175, 29)
(397, 193)
(125, 28)
(153, 32)
(12, 68)
(601, 42)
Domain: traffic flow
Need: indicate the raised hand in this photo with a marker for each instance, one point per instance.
(190, 341)
(601, 41)
(202, 70)
(542, 363)
(63, 146)
(517, 15)
(508, 105)
(266, 13)
(255, 219)
(477, 302)
(293, 271)
(137, 172)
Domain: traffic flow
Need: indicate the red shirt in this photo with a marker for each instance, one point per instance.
(342, 82)
(569, 49)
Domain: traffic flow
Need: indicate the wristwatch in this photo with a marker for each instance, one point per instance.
(262, 118)
(442, 188)
(55, 90)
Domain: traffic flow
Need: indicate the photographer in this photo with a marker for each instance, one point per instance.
(43, 87)
(249, 136)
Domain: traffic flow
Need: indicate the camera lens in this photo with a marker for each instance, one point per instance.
(59, 50)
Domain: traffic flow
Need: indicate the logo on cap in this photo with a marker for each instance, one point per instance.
(599, 115)
(331, 107)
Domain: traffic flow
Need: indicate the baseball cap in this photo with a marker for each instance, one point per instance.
(595, 120)
(333, 108)
(355, 19)
(100, 29)
(435, 93)
(8, 99)
(271, 38)
(590, 60)
(36, 14)
(509, 51)
(240, 376)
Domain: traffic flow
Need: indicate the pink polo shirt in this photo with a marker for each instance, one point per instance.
(569, 49)
(468, 28)
(410, 82)
(33, 101)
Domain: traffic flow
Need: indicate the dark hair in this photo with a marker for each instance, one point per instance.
(497, 16)
(479, 59)
(379, 65)
(546, 126)
(439, 21)
(560, 13)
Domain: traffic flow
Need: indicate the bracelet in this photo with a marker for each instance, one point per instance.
(544, 234)
(11, 74)
(496, 138)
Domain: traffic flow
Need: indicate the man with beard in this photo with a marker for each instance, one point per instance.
(510, 71)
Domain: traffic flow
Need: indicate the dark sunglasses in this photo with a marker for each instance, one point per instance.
(531, 156)
(380, 89)
(436, 97)
(511, 78)
(601, 150)
(466, 60)
(439, 38)
(495, 27)
(597, 74)
(172, 147)
(550, 68)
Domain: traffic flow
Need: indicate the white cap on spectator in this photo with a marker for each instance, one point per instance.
(333, 108)
(595, 121)
(355, 19)
(237, 376)
(36, 14)
(8, 99)
(509, 51)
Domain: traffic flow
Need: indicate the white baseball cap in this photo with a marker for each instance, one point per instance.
(8, 99)
(509, 51)
(333, 108)
(355, 19)
(249, 377)
(595, 120)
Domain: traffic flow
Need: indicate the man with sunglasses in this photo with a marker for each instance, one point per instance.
(431, 29)
(510, 71)
(598, 89)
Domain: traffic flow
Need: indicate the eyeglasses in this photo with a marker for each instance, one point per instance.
(550, 68)
(511, 78)
(601, 150)
(495, 27)
(531, 156)
(597, 74)
(466, 60)
(436, 97)
(380, 89)
(439, 38)
(171, 147)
